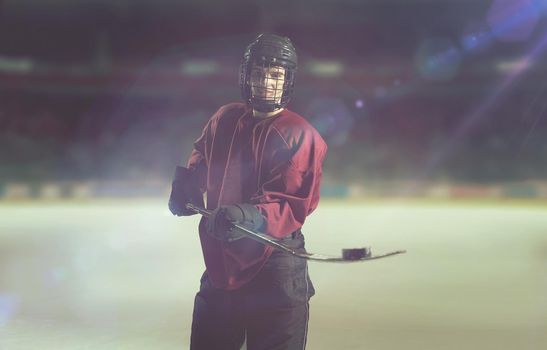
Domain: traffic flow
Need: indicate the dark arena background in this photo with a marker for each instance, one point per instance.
(435, 114)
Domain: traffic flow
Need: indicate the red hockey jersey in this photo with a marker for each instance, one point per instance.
(273, 163)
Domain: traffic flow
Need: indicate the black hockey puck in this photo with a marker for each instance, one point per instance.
(355, 253)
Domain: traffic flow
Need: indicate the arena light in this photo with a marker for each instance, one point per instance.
(326, 69)
(15, 65)
(512, 66)
(199, 67)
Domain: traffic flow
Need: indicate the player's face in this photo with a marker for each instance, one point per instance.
(267, 82)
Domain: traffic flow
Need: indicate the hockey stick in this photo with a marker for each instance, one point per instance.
(348, 255)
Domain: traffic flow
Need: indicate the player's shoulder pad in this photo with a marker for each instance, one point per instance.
(296, 130)
(226, 112)
(233, 108)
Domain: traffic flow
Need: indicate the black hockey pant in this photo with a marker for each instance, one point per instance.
(271, 312)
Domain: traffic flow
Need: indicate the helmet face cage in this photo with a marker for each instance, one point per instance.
(267, 73)
(266, 86)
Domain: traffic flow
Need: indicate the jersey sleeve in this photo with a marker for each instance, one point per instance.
(291, 189)
(197, 162)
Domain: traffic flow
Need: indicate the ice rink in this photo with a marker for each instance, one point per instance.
(122, 275)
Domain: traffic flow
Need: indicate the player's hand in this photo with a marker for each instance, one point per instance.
(220, 223)
(183, 191)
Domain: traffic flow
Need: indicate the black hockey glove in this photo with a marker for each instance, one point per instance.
(220, 222)
(184, 190)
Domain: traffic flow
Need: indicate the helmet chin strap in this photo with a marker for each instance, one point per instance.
(259, 114)
(264, 107)
(263, 110)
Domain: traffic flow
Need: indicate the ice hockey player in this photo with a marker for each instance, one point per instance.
(259, 165)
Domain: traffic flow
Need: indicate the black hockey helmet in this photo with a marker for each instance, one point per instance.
(267, 52)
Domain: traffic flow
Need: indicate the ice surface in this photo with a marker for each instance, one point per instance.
(123, 274)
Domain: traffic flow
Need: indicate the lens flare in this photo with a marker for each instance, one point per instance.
(438, 59)
(476, 38)
(8, 307)
(513, 20)
(331, 118)
(481, 111)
